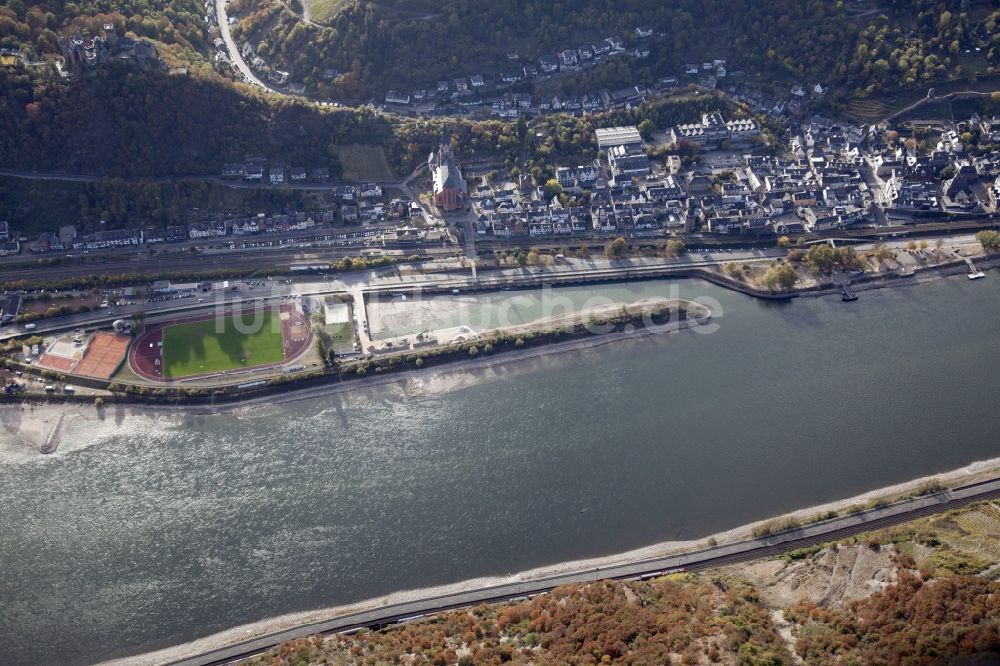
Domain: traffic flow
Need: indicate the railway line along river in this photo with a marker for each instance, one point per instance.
(144, 531)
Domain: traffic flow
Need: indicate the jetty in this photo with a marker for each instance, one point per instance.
(973, 273)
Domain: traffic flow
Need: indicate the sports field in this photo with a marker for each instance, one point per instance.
(217, 345)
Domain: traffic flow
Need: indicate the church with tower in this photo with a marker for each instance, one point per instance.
(450, 189)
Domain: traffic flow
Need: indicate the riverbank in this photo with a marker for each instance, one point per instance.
(969, 474)
(39, 424)
(448, 362)
(920, 275)
(658, 315)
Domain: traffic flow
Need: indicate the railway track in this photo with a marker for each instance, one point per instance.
(753, 549)
(276, 258)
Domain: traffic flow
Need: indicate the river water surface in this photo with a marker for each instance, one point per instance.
(157, 530)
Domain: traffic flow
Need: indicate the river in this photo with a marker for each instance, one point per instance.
(156, 530)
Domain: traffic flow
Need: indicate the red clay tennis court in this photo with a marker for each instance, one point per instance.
(104, 354)
(57, 363)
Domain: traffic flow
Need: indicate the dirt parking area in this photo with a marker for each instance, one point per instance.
(40, 306)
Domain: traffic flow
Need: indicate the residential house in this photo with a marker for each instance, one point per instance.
(989, 129)
(253, 171)
(232, 170)
(566, 177)
(697, 184)
(549, 64)
(396, 97)
(568, 59)
(206, 229)
(586, 174)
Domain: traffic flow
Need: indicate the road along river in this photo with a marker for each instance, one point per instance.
(145, 531)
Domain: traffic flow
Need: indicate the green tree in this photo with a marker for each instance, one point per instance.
(646, 129)
(781, 277)
(675, 248)
(552, 188)
(821, 259)
(989, 239)
(616, 248)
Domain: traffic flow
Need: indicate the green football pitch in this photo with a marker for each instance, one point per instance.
(217, 345)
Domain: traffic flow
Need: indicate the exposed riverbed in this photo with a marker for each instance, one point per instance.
(144, 531)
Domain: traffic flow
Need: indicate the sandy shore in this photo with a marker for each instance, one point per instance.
(38, 427)
(974, 472)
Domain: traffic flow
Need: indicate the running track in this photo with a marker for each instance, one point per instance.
(295, 333)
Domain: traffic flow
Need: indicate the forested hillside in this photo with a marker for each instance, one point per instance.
(685, 620)
(128, 123)
(36, 27)
(124, 121)
(396, 43)
(903, 595)
(603, 623)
